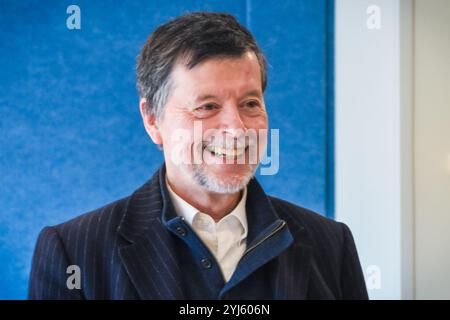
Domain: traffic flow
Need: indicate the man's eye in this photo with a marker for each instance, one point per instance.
(207, 107)
(252, 104)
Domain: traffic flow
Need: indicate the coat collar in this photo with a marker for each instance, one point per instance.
(150, 257)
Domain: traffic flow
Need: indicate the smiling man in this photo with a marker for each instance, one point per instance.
(201, 227)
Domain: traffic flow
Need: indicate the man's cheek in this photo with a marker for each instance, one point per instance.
(180, 146)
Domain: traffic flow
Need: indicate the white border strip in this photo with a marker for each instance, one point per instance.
(373, 139)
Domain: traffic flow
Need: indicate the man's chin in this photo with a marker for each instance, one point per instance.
(226, 181)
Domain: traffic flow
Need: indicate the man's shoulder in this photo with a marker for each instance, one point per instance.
(316, 225)
(103, 220)
(332, 248)
(290, 210)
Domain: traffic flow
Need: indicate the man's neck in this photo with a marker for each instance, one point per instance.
(216, 205)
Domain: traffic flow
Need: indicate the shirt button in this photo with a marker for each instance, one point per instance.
(181, 231)
(206, 263)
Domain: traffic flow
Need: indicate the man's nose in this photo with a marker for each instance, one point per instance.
(231, 119)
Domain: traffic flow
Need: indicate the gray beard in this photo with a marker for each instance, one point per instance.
(202, 178)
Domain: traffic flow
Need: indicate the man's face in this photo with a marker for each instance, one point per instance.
(223, 99)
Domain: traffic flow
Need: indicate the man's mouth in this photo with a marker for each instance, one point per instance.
(225, 152)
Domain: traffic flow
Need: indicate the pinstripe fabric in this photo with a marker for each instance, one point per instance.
(125, 252)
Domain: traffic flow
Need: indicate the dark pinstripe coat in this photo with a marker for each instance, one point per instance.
(124, 252)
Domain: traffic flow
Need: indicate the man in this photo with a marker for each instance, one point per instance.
(202, 227)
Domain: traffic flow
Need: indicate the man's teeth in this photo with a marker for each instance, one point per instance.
(226, 152)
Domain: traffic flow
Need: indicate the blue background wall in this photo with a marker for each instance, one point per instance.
(71, 135)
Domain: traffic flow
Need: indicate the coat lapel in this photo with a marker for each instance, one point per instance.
(150, 257)
(293, 267)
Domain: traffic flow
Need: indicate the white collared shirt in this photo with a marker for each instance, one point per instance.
(225, 239)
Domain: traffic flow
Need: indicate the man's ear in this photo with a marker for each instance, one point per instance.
(150, 122)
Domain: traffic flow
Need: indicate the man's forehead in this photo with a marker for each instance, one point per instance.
(219, 77)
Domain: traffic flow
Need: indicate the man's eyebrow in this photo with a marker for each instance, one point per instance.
(255, 92)
(203, 97)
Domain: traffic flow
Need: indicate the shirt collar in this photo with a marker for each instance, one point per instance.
(182, 207)
(188, 212)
